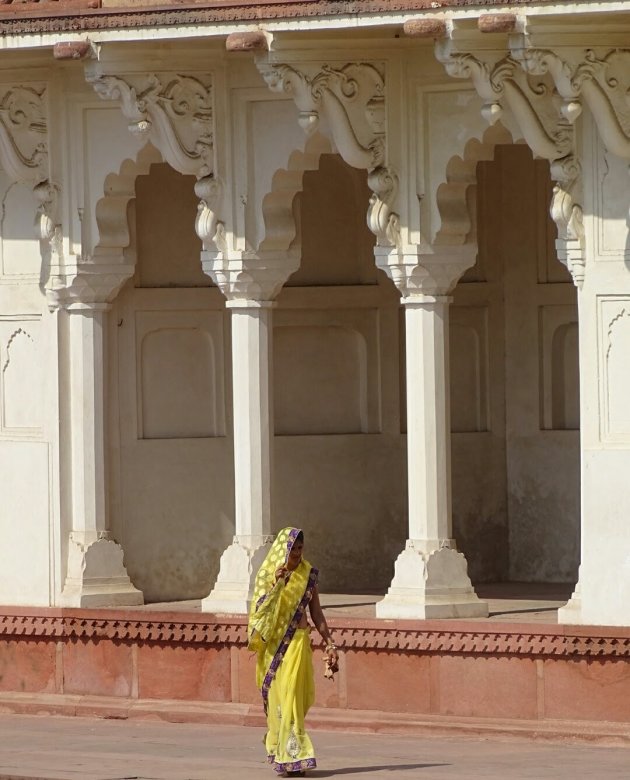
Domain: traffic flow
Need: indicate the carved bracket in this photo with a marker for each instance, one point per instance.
(171, 110)
(352, 100)
(528, 85)
(603, 82)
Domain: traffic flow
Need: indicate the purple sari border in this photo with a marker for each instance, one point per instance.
(292, 766)
(288, 636)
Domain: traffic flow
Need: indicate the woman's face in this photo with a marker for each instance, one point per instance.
(295, 556)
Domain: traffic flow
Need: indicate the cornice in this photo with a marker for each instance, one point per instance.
(433, 636)
(78, 15)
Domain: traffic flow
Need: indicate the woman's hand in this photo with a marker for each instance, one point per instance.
(333, 656)
(282, 573)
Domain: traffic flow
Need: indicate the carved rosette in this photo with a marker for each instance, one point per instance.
(172, 110)
(352, 99)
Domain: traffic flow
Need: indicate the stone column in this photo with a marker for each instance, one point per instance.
(250, 300)
(96, 575)
(430, 579)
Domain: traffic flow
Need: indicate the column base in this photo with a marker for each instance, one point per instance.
(430, 584)
(571, 613)
(234, 587)
(97, 577)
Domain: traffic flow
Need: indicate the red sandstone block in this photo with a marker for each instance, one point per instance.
(27, 666)
(97, 668)
(189, 672)
(486, 687)
(392, 682)
(587, 689)
(245, 677)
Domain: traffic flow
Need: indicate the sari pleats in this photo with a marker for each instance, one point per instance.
(289, 748)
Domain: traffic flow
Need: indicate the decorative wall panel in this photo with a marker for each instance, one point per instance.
(614, 326)
(559, 368)
(20, 257)
(21, 377)
(179, 376)
(321, 381)
(469, 369)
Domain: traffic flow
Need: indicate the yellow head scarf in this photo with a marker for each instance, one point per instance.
(277, 607)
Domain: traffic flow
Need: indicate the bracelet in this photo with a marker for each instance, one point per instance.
(330, 646)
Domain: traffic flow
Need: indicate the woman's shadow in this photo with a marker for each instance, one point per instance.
(356, 769)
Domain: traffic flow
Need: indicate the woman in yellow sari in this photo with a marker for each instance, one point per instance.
(278, 632)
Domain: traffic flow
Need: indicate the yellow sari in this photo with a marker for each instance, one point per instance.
(284, 668)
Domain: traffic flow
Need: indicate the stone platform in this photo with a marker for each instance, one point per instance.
(517, 673)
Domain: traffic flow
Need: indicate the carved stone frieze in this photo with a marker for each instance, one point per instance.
(174, 111)
(352, 100)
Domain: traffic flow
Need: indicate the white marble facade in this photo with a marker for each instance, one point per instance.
(383, 294)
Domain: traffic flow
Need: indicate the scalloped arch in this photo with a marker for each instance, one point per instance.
(456, 196)
(281, 224)
(111, 209)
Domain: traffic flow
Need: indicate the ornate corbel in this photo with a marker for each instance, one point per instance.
(352, 99)
(171, 110)
(540, 91)
(602, 82)
(531, 102)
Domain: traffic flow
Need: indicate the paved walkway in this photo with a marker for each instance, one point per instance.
(56, 748)
(521, 602)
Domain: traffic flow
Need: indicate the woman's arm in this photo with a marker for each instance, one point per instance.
(317, 614)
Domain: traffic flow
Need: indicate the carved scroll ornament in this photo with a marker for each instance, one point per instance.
(352, 99)
(545, 121)
(603, 82)
(173, 111)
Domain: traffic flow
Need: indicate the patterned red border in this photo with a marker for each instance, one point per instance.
(77, 15)
(355, 634)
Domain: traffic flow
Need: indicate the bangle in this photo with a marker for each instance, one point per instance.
(330, 646)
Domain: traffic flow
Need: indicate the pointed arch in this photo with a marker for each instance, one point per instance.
(112, 209)
(456, 196)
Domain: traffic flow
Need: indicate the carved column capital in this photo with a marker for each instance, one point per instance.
(432, 271)
(351, 97)
(86, 285)
(172, 110)
(250, 276)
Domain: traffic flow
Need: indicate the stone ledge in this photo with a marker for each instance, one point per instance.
(465, 637)
(366, 721)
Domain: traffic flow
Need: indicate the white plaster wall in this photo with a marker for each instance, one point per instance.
(605, 346)
(27, 410)
(514, 374)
